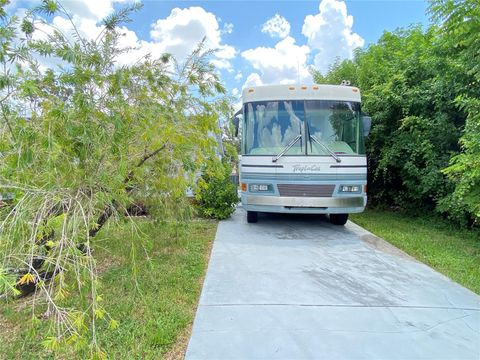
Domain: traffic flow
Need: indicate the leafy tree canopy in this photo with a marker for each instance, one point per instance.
(82, 141)
(419, 86)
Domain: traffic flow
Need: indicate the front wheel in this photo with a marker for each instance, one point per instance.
(338, 219)
(252, 216)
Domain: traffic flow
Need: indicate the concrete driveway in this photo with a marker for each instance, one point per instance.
(297, 287)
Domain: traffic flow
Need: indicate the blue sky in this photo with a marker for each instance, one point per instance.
(259, 42)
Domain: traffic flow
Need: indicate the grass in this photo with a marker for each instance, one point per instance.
(150, 286)
(453, 251)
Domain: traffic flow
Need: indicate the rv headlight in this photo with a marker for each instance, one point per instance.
(350, 188)
(260, 187)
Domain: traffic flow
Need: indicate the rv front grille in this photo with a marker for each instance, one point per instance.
(298, 190)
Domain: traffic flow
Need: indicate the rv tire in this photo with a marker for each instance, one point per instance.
(338, 219)
(252, 216)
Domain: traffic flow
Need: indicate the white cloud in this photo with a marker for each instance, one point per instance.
(139, 48)
(180, 33)
(330, 34)
(285, 63)
(277, 26)
(88, 28)
(84, 14)
(90, 9)
(235, 92)
(253, 79)
(227, 28)
(238, 76)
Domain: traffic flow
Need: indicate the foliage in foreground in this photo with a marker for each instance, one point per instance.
(150, 286)
(453, 251)
(421, 89)
(79, 143)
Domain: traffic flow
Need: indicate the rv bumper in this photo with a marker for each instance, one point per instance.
(320, 205)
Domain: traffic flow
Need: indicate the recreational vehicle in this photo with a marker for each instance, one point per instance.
(303, 150)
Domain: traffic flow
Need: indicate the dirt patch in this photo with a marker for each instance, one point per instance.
(170, 250)
(107, 263)
(386, 247)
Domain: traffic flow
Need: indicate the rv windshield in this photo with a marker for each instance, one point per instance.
(325, 127)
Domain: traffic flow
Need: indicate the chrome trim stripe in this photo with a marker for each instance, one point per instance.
(262, 166)
(308, 156)
(303, 177)
(305, 201)
(348, 166)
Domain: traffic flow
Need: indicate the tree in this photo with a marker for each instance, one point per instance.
(410, 84)
(82, 142)
(459, 23)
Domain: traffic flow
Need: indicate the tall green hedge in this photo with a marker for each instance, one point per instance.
(421, 87)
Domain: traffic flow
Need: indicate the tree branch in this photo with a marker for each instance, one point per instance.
(110, 209)
(150, 155)
(38, 261)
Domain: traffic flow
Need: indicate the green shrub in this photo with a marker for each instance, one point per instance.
(216, 195)
(454, 208)
(418, 86)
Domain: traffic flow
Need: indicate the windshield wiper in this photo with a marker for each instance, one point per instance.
(337, 159)
(289, 146)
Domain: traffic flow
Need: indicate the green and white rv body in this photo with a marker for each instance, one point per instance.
(303, 151)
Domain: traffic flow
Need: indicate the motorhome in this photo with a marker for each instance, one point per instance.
(303, 150)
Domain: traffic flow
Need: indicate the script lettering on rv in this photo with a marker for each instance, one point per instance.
(306, 168)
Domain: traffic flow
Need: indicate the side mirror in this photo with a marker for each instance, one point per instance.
(367, 124)
(236, 121)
